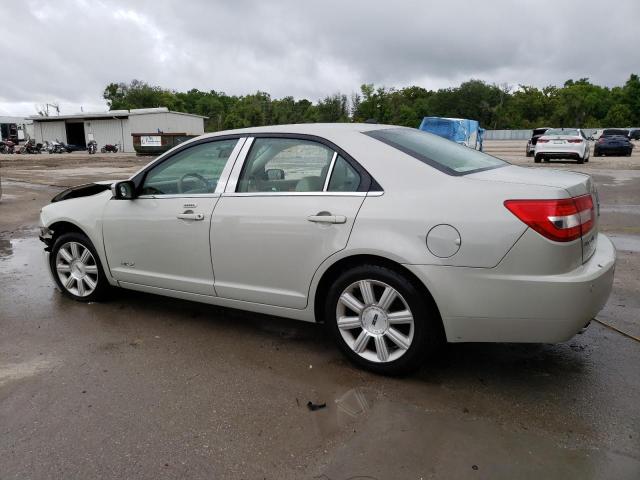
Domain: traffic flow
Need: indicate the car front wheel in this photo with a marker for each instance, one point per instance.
(76, 268)
(381, 321)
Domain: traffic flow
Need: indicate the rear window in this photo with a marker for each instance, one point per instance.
(572, 132)
(608, 132)
(440, 153)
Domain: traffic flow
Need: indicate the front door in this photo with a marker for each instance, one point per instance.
(294, 205)
(161, 238)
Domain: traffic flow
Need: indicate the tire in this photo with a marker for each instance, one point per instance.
(580, 160)
(383, 348)
(79, 275)
(537, 159)
(103, 150)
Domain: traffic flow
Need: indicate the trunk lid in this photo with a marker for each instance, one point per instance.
(574, 185)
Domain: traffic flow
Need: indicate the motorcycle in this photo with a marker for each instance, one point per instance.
(7, 146)
(55, 147)
(108, 148)
(92, 147)
(31, 147)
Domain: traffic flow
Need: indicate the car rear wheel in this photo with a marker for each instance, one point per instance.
(537, 159)
(381, 321)
(76, 268)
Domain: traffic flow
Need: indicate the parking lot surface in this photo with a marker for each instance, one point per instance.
(144, 387)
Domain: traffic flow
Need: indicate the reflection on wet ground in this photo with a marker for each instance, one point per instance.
(5, 247)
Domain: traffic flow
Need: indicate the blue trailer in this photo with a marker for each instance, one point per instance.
(460, 130)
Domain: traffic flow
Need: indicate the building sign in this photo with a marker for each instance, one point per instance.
(151, 141)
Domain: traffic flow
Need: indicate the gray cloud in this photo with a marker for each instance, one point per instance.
(68, 50)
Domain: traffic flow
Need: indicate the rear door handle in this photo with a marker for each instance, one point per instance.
(191, 216)
(327, 218)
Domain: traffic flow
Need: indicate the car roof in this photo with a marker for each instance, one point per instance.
(319, 129)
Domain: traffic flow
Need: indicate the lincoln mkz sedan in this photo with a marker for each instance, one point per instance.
(396, 239)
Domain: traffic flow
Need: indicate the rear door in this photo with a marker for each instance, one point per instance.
(290, 205)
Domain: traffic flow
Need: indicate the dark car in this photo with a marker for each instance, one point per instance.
(531, 144)
(615, 132)
(613, 145)
(634, 133)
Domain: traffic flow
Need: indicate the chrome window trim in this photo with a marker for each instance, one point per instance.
(179, 195)
(330, 171)
(295, 194)
(232, 182)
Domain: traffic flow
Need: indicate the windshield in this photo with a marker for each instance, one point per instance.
(571, 132)
(436, 151)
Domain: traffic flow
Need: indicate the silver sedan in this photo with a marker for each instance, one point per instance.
(396, 239)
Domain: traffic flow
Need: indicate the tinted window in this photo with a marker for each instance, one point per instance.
(196, 169)
(285, 165)
(344, 178)
(539, 131)
(615, 131)
(438, 152)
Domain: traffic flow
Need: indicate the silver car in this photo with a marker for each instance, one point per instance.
(396, 239)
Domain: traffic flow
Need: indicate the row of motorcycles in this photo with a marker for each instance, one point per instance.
(30, 146)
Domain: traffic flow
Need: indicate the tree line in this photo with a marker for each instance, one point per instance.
(578, 103)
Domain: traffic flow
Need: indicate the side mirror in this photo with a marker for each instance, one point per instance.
(274, 174)
(124, 190)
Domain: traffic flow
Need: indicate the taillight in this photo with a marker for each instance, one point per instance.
(601, 140)
(560, 220)
(542, 140)
(575, 140)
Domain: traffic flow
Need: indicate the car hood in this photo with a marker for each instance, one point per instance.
(574, 183)
(84, 190)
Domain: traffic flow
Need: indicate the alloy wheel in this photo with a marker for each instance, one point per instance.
(77, 269)
(375, 321)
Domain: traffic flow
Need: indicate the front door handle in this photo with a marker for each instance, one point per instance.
(327, 218)
(191, 216)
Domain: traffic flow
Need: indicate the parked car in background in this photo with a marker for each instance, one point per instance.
(356, 226)
(613, 145)
(615, 132)
(531, 144)
(634, 133)
(568, 143)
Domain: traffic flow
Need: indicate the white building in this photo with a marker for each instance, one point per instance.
(115, 126)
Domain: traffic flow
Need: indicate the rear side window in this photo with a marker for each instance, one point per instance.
(436, 151)
(285, 165)
(344, 177)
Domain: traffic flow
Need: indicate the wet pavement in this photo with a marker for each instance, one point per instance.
(143, 386)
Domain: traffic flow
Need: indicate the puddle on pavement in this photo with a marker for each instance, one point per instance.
(627, 243)
(20, 252)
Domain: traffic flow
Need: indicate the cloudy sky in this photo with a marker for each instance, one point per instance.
(67, 51)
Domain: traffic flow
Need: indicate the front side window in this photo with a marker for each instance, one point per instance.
(440, 153)
(285, 165)
(195, 170)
